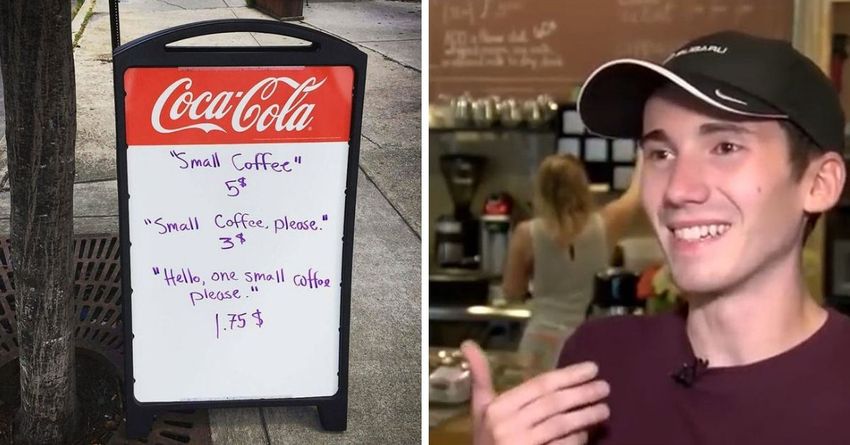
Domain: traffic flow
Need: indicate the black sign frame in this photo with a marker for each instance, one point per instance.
(153, 51)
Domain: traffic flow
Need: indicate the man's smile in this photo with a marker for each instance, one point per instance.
(698, 232)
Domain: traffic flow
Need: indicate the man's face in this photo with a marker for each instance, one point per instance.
(719, 192)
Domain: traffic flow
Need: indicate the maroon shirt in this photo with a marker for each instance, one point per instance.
(801, 396)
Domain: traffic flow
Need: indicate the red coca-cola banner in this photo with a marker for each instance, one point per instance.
(238, 105)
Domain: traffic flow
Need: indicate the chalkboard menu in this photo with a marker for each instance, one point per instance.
(523, 48)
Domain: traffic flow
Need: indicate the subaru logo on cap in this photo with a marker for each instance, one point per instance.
(697, 49)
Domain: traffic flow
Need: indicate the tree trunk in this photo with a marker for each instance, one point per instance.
(36, 57)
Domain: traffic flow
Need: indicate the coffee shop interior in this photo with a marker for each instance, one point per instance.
(504, 76)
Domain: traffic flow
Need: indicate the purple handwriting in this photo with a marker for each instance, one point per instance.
(224, 276)
(250, 276)
(311, 280)
(308, 225)
(228, 242)
(193, 163)
(261, 162)
(256, 277)
(190, 224)
(237, 321)
(239, 220)
(214, 295)
(184, 276)
(235, 185)
(208, 295)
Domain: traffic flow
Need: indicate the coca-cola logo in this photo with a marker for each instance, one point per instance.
(274, 102)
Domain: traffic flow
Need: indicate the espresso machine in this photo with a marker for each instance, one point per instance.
(458, 233)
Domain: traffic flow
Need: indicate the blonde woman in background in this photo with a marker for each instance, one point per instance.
(560, 250)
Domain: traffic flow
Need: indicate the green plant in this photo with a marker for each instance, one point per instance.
(86, 19)
(76, 8)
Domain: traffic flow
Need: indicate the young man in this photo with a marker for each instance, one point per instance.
(741, 141)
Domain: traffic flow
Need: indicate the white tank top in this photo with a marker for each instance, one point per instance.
(563, 276)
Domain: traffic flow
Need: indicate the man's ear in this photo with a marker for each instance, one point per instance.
(824, 181)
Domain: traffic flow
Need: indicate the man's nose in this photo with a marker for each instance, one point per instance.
(687, 183)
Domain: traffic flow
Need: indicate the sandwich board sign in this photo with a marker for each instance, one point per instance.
(237, 175)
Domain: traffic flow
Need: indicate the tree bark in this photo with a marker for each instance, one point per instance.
(36, 57)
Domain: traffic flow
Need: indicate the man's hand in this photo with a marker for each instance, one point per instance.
(556, 407)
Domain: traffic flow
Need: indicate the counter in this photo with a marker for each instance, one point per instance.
(494, 326)
(511, 312)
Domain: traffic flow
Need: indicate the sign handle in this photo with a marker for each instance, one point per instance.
(156, 44)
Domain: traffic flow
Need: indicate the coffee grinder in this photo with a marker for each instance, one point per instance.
(463, 175)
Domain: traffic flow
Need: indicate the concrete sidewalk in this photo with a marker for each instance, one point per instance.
(384, 397)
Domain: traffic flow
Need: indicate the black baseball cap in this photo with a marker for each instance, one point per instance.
(736, 72)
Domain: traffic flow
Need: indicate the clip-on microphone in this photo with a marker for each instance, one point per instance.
(689, 373)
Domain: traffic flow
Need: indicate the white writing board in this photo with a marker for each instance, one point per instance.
(236, 180)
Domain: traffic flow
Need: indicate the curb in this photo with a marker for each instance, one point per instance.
(78, 25)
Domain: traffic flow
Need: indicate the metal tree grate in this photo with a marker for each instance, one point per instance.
(97, 296)
(173, 427)
(97, 288)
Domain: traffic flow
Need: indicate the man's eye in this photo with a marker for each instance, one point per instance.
(658, 154)
(725, 148)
